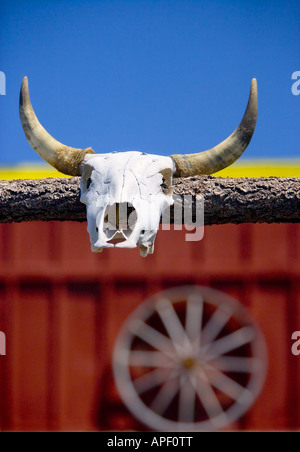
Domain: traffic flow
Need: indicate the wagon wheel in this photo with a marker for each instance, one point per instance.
(189, 359)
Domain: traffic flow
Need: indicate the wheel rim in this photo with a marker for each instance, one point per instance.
(189, 359)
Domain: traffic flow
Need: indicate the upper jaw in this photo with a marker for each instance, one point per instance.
(129, 238)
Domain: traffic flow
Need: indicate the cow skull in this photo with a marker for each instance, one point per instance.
(125, 198)
(126, 193)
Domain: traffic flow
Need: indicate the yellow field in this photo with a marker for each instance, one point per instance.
(28, 172)
(263, 168)
(247, 168)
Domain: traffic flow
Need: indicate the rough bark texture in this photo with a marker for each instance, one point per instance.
(226, 200)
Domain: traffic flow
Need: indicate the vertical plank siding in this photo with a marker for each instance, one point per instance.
(61, 308)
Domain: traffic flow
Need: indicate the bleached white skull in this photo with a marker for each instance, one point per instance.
(126, 193)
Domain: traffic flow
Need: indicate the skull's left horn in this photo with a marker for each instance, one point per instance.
(225, 153)
(64, 158)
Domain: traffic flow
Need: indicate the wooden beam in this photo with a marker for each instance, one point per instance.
(226, 200)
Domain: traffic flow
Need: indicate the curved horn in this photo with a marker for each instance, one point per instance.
(64, 158)
(225, 153)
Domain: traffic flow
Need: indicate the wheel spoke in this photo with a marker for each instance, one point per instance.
(141, 358)
(152, 337)
(151, 380)
(187, 398)
(166, 394)
(236, 364)
(215, 325)
(172, 324)
(210, 402)
(229, 387)
(230, 342)
(194, 315)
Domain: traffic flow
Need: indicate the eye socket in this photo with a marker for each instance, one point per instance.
(164, 185)
(88, 183)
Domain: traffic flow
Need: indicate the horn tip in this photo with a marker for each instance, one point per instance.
(254, 84)
(24, 91)
(25, 81)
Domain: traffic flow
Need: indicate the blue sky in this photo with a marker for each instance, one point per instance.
(160, 76)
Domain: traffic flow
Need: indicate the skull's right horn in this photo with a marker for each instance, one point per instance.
(64, 158)
(225, 153)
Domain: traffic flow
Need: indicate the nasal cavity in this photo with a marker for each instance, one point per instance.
(120, 217)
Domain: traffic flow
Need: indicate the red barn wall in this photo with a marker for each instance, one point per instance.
(61, 308)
